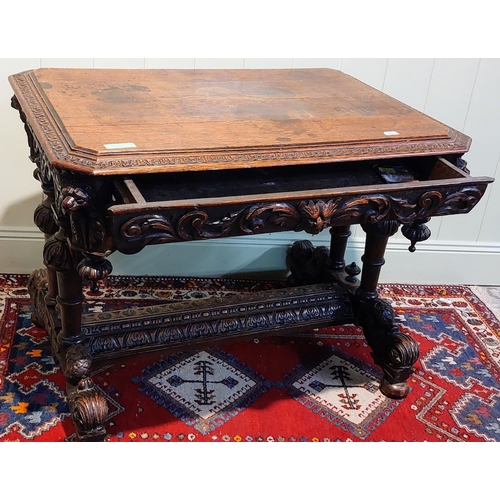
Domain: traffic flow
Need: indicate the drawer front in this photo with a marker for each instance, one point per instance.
(143, 217)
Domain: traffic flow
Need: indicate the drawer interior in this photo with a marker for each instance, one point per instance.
(156, 188)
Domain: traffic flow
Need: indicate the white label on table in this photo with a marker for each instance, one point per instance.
(120, 145)
(391, 132)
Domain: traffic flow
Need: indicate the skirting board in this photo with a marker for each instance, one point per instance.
(262, 256)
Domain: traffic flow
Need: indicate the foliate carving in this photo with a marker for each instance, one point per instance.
(44, 219)
(80, 209)
(459, 202)
(56, 253)
(196, 225)
(171, 325)
(316, 215)
(148, 228)
(268, 217)
(137, 230)
(255, 219)
(37, 289)
(77, 362)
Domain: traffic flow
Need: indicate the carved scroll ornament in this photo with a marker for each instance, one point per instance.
(311, 216)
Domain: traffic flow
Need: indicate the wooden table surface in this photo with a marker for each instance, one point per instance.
(110, 121)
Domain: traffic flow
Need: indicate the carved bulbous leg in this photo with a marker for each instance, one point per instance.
(394, 351)
(44, 300)
(88, 407)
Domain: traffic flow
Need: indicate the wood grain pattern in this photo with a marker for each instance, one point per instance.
(181, 120)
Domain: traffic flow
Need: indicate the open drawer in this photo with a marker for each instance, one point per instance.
(162, 208)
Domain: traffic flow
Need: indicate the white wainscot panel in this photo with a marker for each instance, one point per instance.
(19, 192)
(119, 63)
(317, 63)
(169, 63)
(483, 126)
(67, 63)
(268, 63)
(408, 80)
(490, 229)
(369, 71)
(450, 90)
(219, 63)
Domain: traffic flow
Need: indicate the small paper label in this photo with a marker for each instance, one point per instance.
(391, 132)
(120, 145)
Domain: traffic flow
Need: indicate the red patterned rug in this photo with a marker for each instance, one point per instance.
(316, 386)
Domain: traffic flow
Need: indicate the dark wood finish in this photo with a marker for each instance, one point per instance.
(226, 153)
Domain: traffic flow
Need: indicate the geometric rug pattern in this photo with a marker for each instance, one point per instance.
(319, 385)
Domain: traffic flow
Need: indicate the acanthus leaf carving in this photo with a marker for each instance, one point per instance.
(311, 216)
(148, 229)
(269, 217)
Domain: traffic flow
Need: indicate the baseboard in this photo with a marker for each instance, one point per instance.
(434, 262)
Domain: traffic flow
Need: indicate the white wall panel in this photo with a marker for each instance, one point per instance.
(219, 63)
(264, 63)
(483, 125)
(482, 122)
(490, 228)
(19, 191)
(408, 80)
(166, 63)
(448, 101)
(370, 71)
(67, 63)
(450, 90)
(125, 63)
(316, 63)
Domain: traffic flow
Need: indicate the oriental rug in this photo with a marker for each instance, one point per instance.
(317, 386)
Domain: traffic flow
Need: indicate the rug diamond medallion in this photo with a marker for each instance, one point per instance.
(202, 383)
(205, 389)
(344, 389)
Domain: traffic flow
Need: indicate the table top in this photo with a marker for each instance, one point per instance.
(107, 122)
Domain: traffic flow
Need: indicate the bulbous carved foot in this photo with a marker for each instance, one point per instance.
(89, 411)
(87, 405)
(395, 352)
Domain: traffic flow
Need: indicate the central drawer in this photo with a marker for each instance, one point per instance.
(162, 208)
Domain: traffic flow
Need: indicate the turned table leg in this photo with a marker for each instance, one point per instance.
(338, 242)
(88, 407)
(394, 351)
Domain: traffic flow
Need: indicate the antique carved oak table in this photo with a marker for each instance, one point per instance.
(129, 158)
